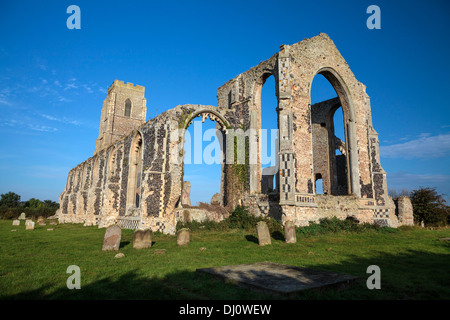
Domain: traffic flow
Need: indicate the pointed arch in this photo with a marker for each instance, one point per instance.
(135, 172)
(349, 115)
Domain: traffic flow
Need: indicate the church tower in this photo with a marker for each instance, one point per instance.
(124, 110)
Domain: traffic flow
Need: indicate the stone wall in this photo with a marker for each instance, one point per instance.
(135, 176)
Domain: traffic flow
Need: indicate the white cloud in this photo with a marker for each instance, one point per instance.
(410, 181)
(24, 124)
(62, 120)
(426, 147)
(41, 128)
(3, 101)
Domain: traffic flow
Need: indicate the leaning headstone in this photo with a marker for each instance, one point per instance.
(22, 216)
(29, 225)
(111, 241)
(183, 237)
(16, 223)
(263, 233)
(289, 232)
(142, 239)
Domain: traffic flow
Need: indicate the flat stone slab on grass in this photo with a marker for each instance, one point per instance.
(278, 278)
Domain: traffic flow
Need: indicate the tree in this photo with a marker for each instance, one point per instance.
(429, 207)
(9, 199)
(51, 204)
(34, 203)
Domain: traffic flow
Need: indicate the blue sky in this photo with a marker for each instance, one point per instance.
(53, 80)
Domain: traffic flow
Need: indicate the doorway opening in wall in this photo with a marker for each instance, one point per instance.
(268, 137)
(329, 139)
(202, 168)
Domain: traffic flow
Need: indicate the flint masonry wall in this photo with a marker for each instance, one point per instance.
(148, 159)
(96, 190)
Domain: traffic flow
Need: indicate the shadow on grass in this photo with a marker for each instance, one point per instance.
(133, 286)
(278, 235)
(409, 275)
(123, 244)
(252, 238)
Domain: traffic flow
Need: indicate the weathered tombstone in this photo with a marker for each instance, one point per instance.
(16, 223)
(263, 233)
(22, 216)
(186, 216)
(183, 237)
(29, 225)
(142, 239)
(289, 232)
(41, 221)
(111, 241)
(53, 222)
(186, 194)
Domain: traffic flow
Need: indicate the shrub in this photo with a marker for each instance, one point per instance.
(335, 225)
(430, 207)
(239, 218)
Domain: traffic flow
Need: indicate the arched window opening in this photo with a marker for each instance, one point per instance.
(111, 164)
(202, 163)
(128, 108)
(268, 137)
(135, 173)
(329, 139)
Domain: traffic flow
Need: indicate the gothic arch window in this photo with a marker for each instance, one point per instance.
(128, 108)
(135, 173)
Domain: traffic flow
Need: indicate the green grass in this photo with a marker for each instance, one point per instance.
(414, 263)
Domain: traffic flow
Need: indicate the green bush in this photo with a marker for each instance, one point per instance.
(11, 207)
(335, 225)
(239, 218)
(14, 213)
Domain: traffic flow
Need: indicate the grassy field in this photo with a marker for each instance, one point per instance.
(414, 263)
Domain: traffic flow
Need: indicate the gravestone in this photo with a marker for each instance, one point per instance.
(22, 216)
(289, 232)
(53, 222)
(263, 233)
(41, 221)
(16, 223)
(142, 239)
(29, 225)
(111, 241)
(183, 237)
(279, 279)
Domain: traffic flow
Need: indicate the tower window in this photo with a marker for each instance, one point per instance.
(127, 108)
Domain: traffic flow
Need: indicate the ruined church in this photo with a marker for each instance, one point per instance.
(134, 180)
